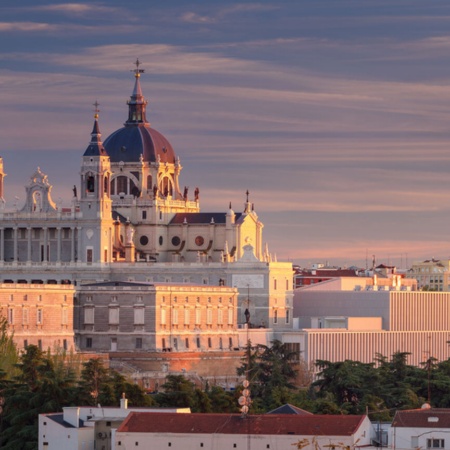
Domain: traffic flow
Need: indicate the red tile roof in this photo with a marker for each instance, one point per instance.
(269, 424)
(422, 418)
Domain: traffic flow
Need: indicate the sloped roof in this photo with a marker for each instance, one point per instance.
(268, 424)
(422, 418)
(289, 409)
(200, 218)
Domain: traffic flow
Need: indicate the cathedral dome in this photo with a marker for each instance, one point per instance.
(130, 142)
(137, 138)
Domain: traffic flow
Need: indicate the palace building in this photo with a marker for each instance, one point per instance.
(131, 221)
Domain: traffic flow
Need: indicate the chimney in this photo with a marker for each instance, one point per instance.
(123, 402)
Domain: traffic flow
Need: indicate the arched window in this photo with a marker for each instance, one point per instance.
(105, 185)
(121, 184)
(166, 187)
(90, 184)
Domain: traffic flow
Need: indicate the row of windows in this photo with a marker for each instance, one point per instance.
(39, 316)
(12, 313)
(39, 344)
(175, 342)
(26, 297)
(139, 316)
(275, 316)
(275, 284)
(169, 444)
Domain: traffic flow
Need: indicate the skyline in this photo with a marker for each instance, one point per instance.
(334, 117)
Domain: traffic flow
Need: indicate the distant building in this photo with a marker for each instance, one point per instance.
(335, 321)
(131, 220)
(307, 277)
(431, 274)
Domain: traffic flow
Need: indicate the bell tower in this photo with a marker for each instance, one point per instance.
(96, 234)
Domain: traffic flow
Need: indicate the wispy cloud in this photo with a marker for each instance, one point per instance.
(26, 26)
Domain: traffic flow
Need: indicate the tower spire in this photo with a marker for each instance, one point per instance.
(137, 103)
(95, 147)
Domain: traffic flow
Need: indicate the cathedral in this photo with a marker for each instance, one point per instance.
(131, 220)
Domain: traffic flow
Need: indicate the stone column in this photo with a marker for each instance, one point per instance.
(58, 245)
(16, 231)
(72, 244)
(29, 232)
(46, 249)
(80, 257)
(2, 244)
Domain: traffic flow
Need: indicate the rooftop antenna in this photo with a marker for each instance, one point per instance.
(245, 400)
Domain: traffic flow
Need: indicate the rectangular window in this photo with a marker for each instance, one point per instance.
(287, 316)
(274, 284)
(230, 316)
(198, 342)
(209, 316)
(88, 342)
(187, 316)
(40, 344)
(10, 315)
(89, 255)
(209, 343)
(114, 316)
(175, 343)
(89, 315)
(275, 316)
(144, 215)
(287, 285)
(220, 316)
(138, 342)
(65, 344)
(25, 316)
(186, 342)
(163, 316)
(39, 316)
(139, 316)
(198, 316)
(65, 316)
(175, 316)
(230, 342)
(435, 443)
(25, 343)
(163, 343)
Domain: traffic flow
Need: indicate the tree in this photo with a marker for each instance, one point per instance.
(348, 381)
(178, 392)
(95, 385)
(271, 372)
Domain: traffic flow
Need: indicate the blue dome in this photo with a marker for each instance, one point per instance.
(130, 142)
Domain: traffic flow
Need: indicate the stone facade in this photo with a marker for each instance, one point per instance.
(123, 316)
(39, 315)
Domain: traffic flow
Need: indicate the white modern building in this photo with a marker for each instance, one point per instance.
(339, 320)
(87, 428)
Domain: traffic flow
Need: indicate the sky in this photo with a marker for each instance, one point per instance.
(334, 115)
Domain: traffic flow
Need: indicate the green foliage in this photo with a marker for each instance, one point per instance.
(9, 355)
(46, 383)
